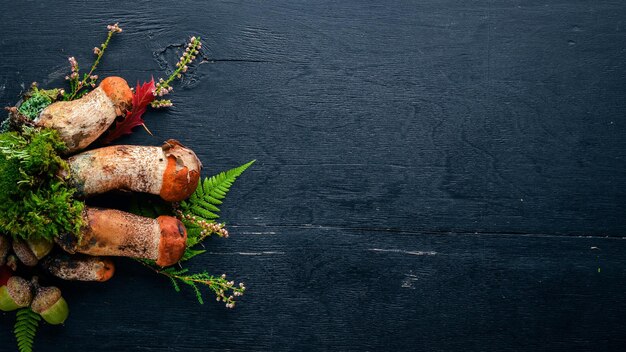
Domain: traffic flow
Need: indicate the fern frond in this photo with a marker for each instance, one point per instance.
(210, 193)
(25, 329)
(194, 233)
(200, 211)
(204, 203)
(190, 253)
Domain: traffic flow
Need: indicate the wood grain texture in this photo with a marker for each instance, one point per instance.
(431, 175)
(333, 289)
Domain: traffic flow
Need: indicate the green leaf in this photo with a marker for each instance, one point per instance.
(190, 253)
(26, 328)
(203, 203)
(211, 192)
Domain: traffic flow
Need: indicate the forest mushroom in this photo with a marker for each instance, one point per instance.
(171, 171)
(17, 293)
(49, 303)
(110, 232)
(80, 268)
(81, 121)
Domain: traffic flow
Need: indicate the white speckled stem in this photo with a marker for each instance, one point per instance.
(171, 171)
(81, 121)
(133, 168)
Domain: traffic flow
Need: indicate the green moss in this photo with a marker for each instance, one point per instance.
(34, 201)
(32, 107)
(37, 100)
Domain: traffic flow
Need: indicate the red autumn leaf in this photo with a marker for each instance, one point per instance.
(142, 97)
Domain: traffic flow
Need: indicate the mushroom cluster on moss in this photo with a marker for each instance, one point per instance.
(42, 197)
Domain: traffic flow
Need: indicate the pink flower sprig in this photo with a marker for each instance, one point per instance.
(191, 50)
(207, 228)
(114, 28)
(78, 86)
(220, 286)
(225, 291)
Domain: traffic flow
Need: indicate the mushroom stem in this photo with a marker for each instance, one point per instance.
(171, 171)
(80, 268)
(81, 121)
(111, 232)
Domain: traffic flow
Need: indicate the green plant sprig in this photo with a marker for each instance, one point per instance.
(80, 86)
(224, 290)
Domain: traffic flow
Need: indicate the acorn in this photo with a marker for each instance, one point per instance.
(40, 247)
(26, 256)
(31, 250)
(17, 293)
(49, 303)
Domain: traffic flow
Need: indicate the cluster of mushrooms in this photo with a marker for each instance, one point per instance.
(171, 171)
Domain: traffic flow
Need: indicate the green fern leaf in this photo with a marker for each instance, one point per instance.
(198, 210)
(190, 253)
(25, 329)
(213, 200)
(210, 193)
(193, 232)
(206, 204)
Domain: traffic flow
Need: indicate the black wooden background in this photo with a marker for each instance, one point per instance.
(436, 175)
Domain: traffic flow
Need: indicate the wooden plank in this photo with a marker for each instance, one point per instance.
(430, 116)
(418, 164)
(333, 289)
